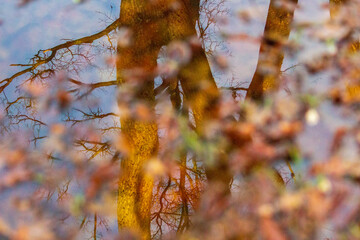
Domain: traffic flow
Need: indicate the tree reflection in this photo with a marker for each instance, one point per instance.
(155, 148)
(150, 30)
(136, 67)
(338, 11)
(271, 56)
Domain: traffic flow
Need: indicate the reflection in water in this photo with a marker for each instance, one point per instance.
(337, 8)
(271, 56)
(166, 159)
(149, 27)
(153, 25)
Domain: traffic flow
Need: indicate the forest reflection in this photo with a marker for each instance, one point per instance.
(164, 158)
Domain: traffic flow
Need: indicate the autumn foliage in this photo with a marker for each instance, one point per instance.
(136, 131)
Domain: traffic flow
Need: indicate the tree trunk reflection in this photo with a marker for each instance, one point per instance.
(152, 25)
(271, 56)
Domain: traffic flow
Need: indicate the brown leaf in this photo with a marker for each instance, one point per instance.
(271, 230)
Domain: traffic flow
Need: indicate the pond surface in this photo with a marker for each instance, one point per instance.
(39, 25)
